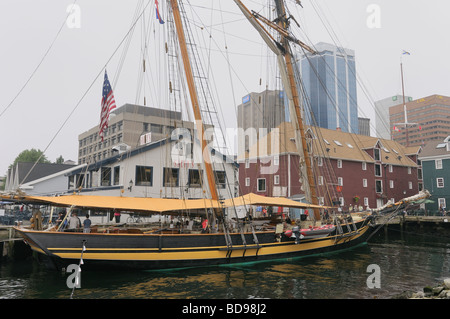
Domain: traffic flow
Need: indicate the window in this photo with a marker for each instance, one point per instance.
(364, 166)
(339, 163)
(71, 182)
(379, 186)
(116, 175)
(391, 184)
(364, 182)
(440, 182)
(320, 180)
(319, 161)
(391, 168)
(410, 185)
(441, 202)
(366, 201)
(409, 170)
(195, 178)
(438, 163)
(392, 200)
(340, 181)
(247, 163)
(261, 184)
(276, 160)
(247, 181)
(170, 176)
(341, 199)
(376, 154)
(144, 176)
(221, 179)
(338, 143)
(106, 176)
(419, 173)
(420, 186)
(321, 201)
(377, 170)
(276, 179)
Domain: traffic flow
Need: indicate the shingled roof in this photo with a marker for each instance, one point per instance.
(334, 144)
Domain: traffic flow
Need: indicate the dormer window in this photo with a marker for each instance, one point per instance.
(376, 154)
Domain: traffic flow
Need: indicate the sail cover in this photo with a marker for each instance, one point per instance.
(160, 205)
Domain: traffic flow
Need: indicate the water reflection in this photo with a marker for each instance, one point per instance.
(406, 263)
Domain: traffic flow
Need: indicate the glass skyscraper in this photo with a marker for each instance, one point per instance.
(329, 79)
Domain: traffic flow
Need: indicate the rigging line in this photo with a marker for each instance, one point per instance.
(358, 77)
(39, 64)
(82, 98)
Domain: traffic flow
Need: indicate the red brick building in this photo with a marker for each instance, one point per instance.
(354, 169)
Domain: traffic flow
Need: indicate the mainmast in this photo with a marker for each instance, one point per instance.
(194, 100)
(284, 58)
(284, 24)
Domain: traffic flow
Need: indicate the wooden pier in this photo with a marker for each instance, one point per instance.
(11, 246)
(417, 223)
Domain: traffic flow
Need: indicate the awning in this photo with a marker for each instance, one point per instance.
(258, 200)
(160, 205)
(155, 205)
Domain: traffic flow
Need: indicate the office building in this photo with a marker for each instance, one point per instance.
(428, 120)
(383, 130)
(129, 126)
(261, 110)
(329, 79)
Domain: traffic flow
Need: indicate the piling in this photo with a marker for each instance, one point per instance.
(12, 247)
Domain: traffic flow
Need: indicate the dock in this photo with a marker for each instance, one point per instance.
(12, 247)
(416, 223)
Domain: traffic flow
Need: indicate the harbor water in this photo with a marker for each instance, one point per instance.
(406, 261)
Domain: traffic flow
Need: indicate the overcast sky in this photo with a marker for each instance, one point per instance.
(72, 71)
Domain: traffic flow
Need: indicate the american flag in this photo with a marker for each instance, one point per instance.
(158, 15)
(108, 104)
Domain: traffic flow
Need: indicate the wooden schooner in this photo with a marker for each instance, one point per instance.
(137, 249)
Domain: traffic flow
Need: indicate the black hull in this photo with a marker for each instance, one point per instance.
(145, 252)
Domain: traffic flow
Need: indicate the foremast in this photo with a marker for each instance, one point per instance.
(194, 100)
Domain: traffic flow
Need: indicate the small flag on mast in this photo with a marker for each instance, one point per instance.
(108, 104)
(158, 16)
(406, 52)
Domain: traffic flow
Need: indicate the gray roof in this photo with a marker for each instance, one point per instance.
(435, 148)
(39, 171)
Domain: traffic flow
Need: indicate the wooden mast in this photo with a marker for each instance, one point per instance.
(194, 99)
(282, 22)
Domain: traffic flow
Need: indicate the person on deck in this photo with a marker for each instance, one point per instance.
(87, 224)
(74, 222)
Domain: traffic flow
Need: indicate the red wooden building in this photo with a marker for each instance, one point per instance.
(353, 169)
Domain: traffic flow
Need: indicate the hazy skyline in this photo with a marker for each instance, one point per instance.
(72, 71)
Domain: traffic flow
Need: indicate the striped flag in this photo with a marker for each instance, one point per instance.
(406, 53)
(158, 16)
(108, 104)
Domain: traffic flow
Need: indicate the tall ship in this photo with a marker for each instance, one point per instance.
(223, 236)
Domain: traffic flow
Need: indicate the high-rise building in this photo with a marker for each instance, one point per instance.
(382, 114)
(266, 110)
(329, 79)
(363, 126)
(428, 120)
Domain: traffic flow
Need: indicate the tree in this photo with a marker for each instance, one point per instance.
(59, 160)
(31, 156)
